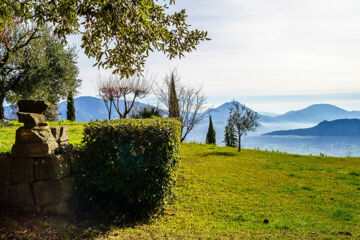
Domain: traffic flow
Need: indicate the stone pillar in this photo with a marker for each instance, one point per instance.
(38, 175)
(35, 139)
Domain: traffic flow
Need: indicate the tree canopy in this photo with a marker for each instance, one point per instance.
(119, 34)
(43, 69)
(243, 120)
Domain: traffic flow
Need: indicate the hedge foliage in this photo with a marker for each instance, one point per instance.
(127, 166)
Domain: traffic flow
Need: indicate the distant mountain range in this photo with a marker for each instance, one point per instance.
(313, 114)
(88, 108)
(303, 118)
(91, 108)
(340, 127)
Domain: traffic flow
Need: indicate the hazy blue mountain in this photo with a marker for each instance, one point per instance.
(90, 108)
(340, 127)
(268, 114)
(314, 114)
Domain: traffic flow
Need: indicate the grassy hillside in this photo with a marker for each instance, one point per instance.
(223, 194)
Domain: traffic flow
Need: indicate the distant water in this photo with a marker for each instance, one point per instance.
(330, 146)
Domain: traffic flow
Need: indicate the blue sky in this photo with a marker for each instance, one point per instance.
(273, 55)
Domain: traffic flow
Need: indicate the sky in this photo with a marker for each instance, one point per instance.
(272, 55)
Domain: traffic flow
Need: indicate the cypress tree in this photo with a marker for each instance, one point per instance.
(230, 135)
(211, 135)
(174, 111)
(70, 113)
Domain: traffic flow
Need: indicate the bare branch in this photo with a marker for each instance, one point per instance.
(191, 102)
(117, 89)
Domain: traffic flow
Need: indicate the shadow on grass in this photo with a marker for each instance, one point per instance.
(26, 226)
(225, 154)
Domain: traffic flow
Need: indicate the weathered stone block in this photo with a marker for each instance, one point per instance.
(22, 170)
(31, 119)
(34, 135)
(60, 134)
(32, 106)
(65, 148)
(4, 197)
(52, 192)
(65, 208)
(54, 167)
(21, 197)
(45, 149)
(5, 171)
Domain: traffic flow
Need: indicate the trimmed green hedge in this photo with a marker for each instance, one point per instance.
(127, 166)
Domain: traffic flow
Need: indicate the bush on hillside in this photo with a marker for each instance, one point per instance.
(147, 112)
(127, 166)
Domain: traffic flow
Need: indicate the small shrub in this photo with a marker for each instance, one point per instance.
(127, 166)
(147, 112)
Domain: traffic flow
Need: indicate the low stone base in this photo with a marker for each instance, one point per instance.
(34, 149)
(43, 185)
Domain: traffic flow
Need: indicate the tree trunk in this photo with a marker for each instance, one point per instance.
(109, 110)
(239, 144)
(2, 113)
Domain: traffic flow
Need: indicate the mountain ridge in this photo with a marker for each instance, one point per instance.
(339, 127)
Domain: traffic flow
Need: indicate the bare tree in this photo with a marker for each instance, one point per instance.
(117, 92)
(243, 119)
(107, 93)
(191, 102)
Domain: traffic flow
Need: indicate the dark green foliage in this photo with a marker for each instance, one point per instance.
(45, 69)
(174, 111)
(119, 34)
(52, 113)
(211, 134)
(127, 166)
(147, 112)
(230, 138)
(70, 112)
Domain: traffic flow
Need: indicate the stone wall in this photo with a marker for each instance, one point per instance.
(43, 185)
(38, 174)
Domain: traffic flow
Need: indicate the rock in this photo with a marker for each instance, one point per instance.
(53, 192)
(45, 149)
(65, 208)
(65, 148)
(20, 197)
(60, 134)
(31, 106)
(37, 141)
(31, 119)
(74, 156)
(22, 170)
(5, 172)
(4, 196)
(55, 167)
(34, 135)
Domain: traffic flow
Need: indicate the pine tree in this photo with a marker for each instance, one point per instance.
(211, 135)
(230, 135)
(174, 111)
(70, 113)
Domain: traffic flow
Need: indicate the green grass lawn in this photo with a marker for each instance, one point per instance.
(7, 134)
(223, 194)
